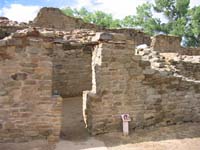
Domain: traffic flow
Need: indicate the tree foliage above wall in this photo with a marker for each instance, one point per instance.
(180, 19)
(98, 17)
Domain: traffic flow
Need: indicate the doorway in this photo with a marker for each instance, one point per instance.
(73, 126)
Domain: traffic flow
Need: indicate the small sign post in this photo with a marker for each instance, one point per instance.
(125, 119)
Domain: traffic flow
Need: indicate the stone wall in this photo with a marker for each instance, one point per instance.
(54, 18)
(7, 27)
(72, 72)
(188, 69)
(191, 51)
(72, 57)
(171, 44)
(144, 86)
(157, 85)
(27, 108)
(165, 43)
(37, 65)
(137, 36)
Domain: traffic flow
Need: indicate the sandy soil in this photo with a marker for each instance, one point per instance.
(183, 144)
(94, 144)
(33, 145)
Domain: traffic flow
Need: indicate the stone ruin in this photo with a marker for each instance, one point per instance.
(56, 56)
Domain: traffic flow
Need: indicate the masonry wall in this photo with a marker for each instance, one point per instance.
(38, 66)
(137, 36)
(171, 44)
(7, 30)
(188, 69)
(164, 43)
(72, 71)
(7, 27)
(27, 108)
(124, 83)
(54, 18)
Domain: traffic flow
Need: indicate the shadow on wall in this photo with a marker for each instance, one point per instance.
(72, 72)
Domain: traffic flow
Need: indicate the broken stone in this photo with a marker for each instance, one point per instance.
(102, 36)
(19, 34)
(143, 46)
(3, 92)
(16, 42)
(48, 33)
(33, 32)
(149, 71)
(3, 34)
(121, 81)
(4, 56)
(19, 76)
(2, 42)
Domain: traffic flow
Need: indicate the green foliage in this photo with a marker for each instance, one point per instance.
(182, 7)
(195, 20)
(165, 6)
(98, 17)
(172, 9)
(68, 11)
(144, 19)
(193, 27)
(178, 27)
(128, 21)
(181, 20)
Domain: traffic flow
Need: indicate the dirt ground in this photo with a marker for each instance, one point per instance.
(73, 127)
(178, 137)
(33, 145)
(74, 136)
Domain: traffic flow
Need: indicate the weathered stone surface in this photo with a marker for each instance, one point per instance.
(171, 44)
(72, 72)
(19, 76)
(102, 36)
(54, 18)
(7, 27)
(164, 43)
(152, 90)
(24, 114)
(157, 85)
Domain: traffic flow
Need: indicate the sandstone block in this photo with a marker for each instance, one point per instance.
(102, 36)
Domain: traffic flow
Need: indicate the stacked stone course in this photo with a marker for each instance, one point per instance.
(29, 62)
(158, 85)
(26, 87)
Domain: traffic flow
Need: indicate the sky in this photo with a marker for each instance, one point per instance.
(26, 10)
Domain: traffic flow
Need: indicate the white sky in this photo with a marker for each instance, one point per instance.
(18, 12)
(119, 8)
